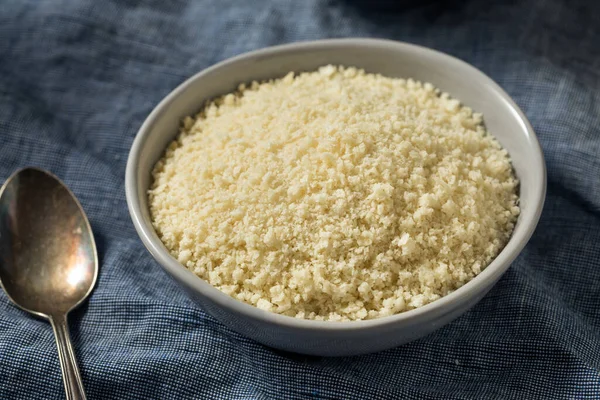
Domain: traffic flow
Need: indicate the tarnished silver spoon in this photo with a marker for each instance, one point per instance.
(48, 258)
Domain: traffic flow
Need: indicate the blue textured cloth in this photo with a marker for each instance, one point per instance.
(78, 77)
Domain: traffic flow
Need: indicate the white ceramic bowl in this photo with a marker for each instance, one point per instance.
(502, 118)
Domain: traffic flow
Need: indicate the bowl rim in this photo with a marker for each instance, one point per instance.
(443, 305)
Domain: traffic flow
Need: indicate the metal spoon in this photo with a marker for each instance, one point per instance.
(48, 259)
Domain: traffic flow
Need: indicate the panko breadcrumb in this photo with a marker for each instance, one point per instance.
(335, 195)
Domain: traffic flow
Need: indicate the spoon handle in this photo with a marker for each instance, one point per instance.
(68, 364)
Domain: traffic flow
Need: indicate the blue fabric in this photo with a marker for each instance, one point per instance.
(78, 77)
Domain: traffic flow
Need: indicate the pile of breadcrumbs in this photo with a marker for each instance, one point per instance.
(335, 195)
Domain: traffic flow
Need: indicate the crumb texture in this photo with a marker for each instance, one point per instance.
(335, 195)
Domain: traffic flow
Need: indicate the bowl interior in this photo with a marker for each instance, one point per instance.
(502, 117)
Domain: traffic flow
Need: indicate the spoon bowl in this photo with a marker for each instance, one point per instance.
(48, 257)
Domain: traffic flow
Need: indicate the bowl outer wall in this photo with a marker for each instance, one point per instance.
(502, 117)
